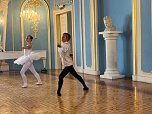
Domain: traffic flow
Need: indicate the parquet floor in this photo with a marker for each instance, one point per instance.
(121, 96)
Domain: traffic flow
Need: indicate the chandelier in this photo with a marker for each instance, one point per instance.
(30, 14)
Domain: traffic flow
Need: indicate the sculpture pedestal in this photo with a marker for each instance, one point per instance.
(111, 71)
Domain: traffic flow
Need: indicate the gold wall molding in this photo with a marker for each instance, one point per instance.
(94, 35)
(4, 9)
(138, 73)
(134, 7)
(31, 15)
(57, 33)
(94, 69)
(48, 21)
(78, 68)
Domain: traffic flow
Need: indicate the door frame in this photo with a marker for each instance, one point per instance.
(56, 15)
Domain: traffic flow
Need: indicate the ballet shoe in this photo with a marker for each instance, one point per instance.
(39, 83)
(24, 86)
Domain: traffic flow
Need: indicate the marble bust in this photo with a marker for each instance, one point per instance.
(108, 24)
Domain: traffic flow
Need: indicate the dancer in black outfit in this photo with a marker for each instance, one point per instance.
(64, 51)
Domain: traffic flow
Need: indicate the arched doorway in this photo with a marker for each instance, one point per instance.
(42, 42)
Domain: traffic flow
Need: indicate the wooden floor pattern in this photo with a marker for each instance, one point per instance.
(121, 96)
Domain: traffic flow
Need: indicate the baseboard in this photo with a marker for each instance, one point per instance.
(142, 79)
(86, 71)
(112, 76)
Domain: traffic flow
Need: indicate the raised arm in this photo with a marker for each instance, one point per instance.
(29, 46)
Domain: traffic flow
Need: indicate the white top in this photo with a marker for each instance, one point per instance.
(64, 53)
(27, 52)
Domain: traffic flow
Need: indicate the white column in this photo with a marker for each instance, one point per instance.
(111, 71)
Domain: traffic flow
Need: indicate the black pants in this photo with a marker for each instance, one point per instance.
(65, 71)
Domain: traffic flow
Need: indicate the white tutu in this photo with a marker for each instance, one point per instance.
(26, 58)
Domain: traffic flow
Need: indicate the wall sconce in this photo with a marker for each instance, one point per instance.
(30, 14)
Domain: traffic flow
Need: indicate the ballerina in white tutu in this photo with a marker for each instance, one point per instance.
(27, 61)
